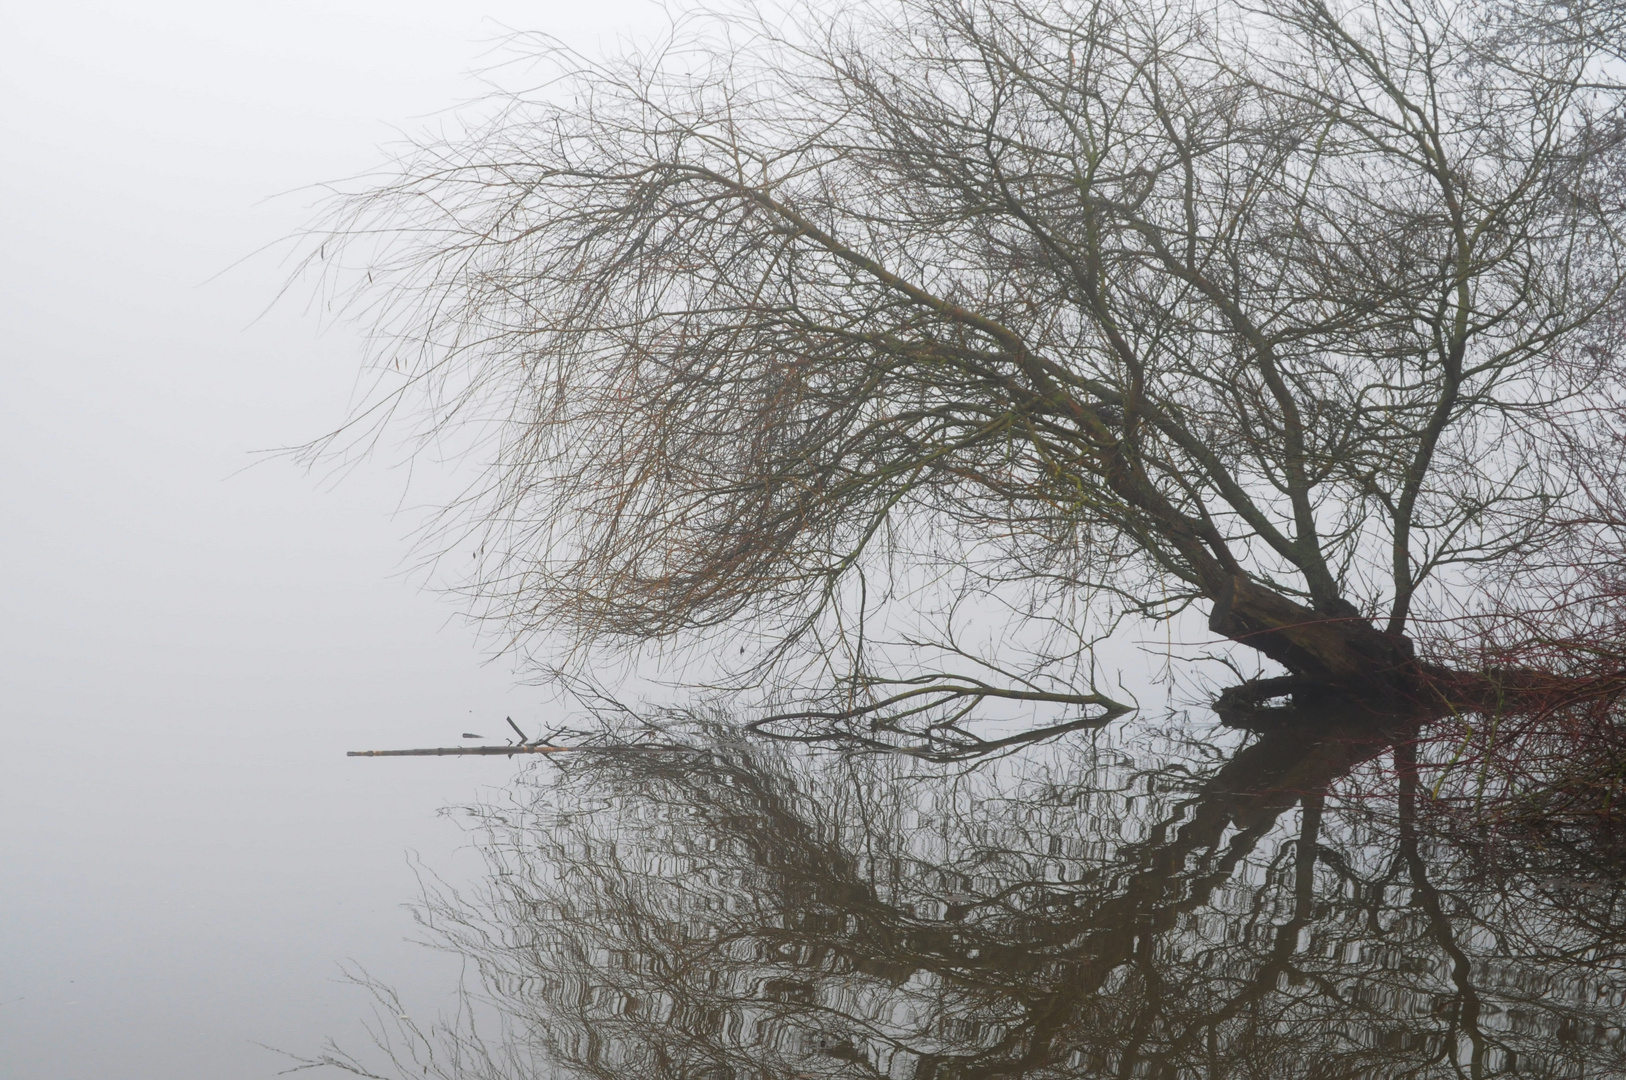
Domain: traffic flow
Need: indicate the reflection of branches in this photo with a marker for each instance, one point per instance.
(736, 910)
(1465, 1007)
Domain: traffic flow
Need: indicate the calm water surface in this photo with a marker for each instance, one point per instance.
(1148, 905)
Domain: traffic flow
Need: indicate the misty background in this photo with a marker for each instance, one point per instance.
(191, 640)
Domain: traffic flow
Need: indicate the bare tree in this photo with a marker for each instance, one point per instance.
(1303, 312)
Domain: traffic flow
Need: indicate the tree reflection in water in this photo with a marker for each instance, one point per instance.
(1300, 907)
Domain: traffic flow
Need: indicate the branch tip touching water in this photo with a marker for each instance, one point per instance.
(445, 751)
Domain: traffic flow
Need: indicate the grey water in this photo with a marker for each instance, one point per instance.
(1149, 905)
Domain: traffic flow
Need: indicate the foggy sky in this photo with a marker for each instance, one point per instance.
(187, 647)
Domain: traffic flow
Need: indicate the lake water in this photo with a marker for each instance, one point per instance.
(1145, 903)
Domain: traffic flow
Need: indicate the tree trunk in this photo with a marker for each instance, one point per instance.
(1335, 648)
(1337, 658)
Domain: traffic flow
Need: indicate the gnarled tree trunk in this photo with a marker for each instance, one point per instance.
(1335, 648)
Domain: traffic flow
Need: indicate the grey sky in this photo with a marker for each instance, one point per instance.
(186, 649)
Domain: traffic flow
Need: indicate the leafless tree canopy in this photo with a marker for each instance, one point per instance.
(1307, 312)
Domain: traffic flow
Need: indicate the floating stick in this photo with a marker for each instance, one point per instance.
(441, 751)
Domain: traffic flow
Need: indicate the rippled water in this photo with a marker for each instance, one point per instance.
(1149, 905)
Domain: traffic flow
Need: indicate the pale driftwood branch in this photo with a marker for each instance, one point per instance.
(442, 751)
